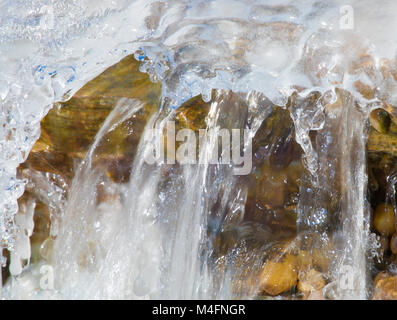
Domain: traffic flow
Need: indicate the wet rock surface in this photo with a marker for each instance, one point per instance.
(70, 127)
(385, 287)
(311, 284)
(279, 276)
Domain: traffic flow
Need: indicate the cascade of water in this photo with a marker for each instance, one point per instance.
(332, 202)
(136, 240)
(204, 186)
(85, 249)
(354, 211)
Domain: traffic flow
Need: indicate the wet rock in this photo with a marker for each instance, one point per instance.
(384, 221)
(304, 259)
(310, 284)
(381, 171)
(381, 275)
(315, 252)
(321, 258)
(385, 287)
(41, 232)
(385, 142)
(70, 127)
(393, 243)
(43, 157)
(384, 245)
(279, 275)
(272, 188)
(274, 141)
(380, 120)
(192, 114)
(273, 197)
(365, 90)
(391, 110)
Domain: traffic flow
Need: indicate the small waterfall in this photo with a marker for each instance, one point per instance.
(335, 196)
(354, 211)
(134, 239)
(198, 229)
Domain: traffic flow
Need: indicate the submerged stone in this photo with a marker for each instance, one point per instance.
(192, 114)
(380, 120)
(310, 284)
(279, 275)
(384, 221)
(385, 287)
(393, 243)
(382, 136)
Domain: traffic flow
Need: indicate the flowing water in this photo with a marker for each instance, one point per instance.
(156, 236)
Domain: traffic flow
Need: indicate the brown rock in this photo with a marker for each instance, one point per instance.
(381, 275)
(278, 276)
(192, 114)
(382, 136)
(385, 287)
(384, 221)
(70, 127)
(42, 223)
(384, 244)
(274, 141)
(393, 243)
(310, 284)
(271, 188)
(322, 257)
(380, 120)
(304, 259)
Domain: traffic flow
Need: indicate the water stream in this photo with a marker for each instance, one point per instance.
(164, 233)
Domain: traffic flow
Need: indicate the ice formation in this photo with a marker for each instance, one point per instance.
(50, 49)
